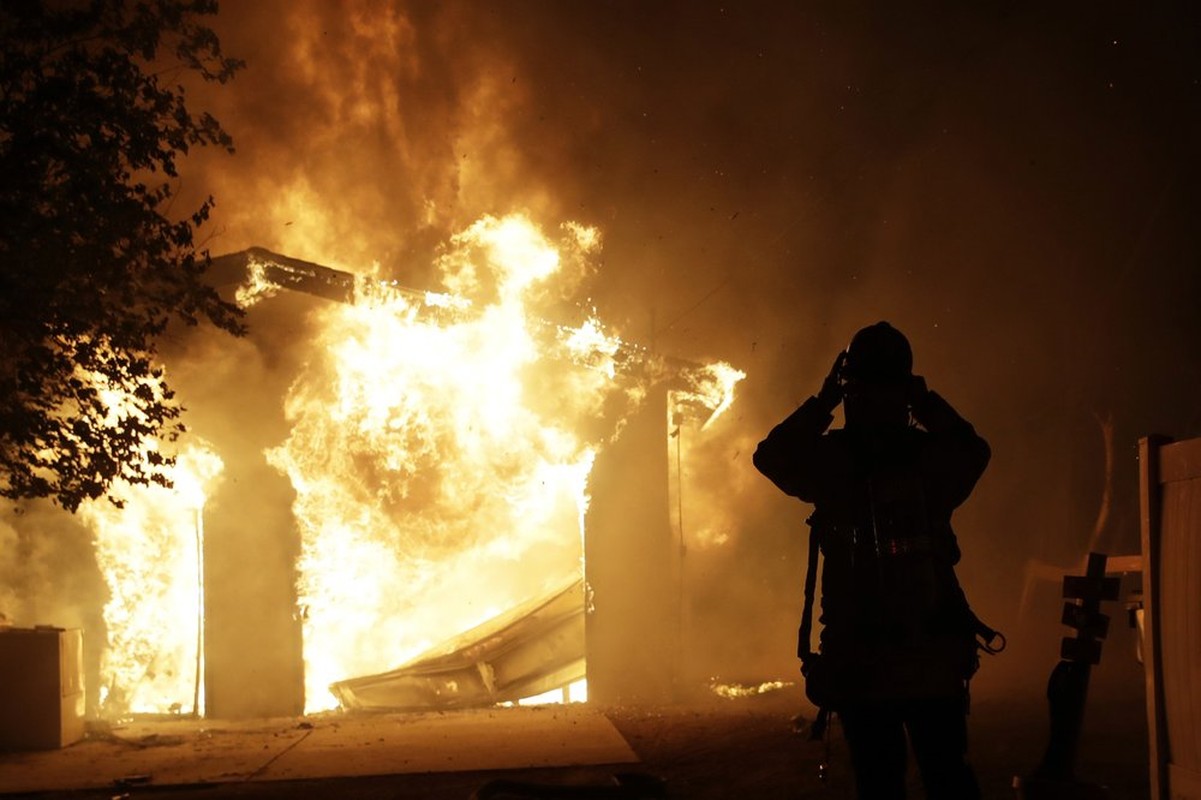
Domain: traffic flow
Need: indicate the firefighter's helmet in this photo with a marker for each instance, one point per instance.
(879, 354)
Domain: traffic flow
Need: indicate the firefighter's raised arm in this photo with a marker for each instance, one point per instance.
(790, 455)
(956, 452)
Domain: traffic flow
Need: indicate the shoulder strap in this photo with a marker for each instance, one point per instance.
(817, 731)
(803, 636)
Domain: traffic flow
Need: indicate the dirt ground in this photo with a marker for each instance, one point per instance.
(747, 748)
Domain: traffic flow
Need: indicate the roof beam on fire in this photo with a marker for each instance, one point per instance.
(286, 272)
(298, 275)
(235, 269)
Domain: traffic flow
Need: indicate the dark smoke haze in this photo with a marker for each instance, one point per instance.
(1015, 186)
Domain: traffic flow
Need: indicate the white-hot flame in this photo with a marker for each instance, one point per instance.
(711, 387)
(698, 492)
(440, 477)
(734, 691)
(257, 286)
(149, 552)
(590, 345)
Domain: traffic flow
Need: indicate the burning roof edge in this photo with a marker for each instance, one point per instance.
(630, 359)
(286, 272)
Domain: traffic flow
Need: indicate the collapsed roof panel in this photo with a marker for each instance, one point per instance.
(531, 649)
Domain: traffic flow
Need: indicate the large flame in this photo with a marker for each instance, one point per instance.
(439, 469)
(440, 447)
(149, 552)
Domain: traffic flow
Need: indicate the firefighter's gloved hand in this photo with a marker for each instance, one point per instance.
(831, 392)
(919, 400)
(917, 390)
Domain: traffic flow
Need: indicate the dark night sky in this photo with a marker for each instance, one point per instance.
(1013, 185)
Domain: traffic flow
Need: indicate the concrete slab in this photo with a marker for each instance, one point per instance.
(174, 752)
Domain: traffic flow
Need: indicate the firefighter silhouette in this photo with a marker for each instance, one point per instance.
(898, 643)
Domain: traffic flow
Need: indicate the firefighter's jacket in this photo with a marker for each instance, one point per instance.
(894, 620)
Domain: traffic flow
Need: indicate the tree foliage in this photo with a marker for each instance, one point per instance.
(93, 267)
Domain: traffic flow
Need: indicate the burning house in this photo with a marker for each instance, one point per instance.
(392, 498)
